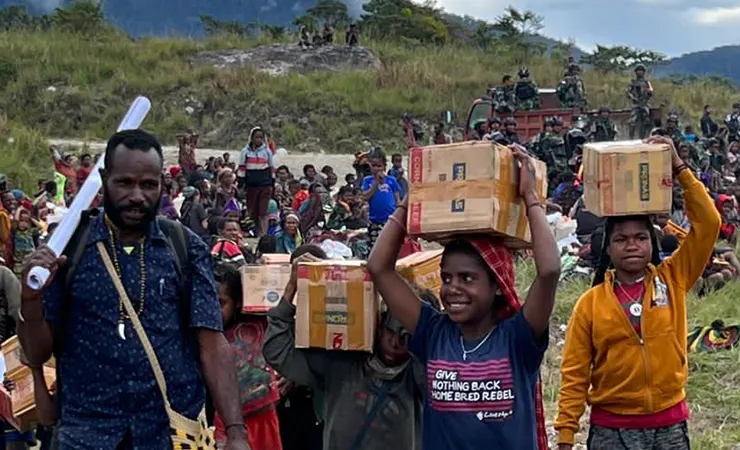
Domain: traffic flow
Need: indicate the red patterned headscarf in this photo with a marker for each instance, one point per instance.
(501, 263)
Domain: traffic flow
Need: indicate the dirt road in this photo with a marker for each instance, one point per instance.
(342, 164)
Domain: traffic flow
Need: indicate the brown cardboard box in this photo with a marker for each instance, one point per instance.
(22, 395)
(13, 355)
(627, 177)
(337, 306)
(275, 258)
(468, 187)
(263, 286)
(422, 269)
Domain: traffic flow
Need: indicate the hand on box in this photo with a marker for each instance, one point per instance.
(9, 384)
(304, 258)
(527, 174)
(677, 162)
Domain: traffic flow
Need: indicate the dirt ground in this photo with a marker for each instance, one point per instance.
(342, 164)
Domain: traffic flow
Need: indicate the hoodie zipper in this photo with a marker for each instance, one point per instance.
(645, 359)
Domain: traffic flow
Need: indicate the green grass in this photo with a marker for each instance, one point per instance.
(714, 381)
(97, 78)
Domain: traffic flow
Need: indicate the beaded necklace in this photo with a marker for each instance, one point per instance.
(122, 316)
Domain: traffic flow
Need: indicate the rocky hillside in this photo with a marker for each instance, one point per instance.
(283, 59)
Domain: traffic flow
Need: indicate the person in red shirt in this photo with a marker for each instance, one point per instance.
(86, 167)
(299, 191)
(65, 166)
(258, 383)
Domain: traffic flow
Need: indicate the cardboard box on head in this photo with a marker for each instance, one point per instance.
(263, 286)
(337, 306)
(469, 187)
(422, 269)
(627, 177)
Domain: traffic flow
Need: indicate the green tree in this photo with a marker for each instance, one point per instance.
(305, 21)
(620, 58)
(406, 20)
(518, 31)
(484, 36)
(216, 27)
(332, 12)
(273, 31)
(82, 16)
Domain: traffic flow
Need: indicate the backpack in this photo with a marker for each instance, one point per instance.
(525, 90)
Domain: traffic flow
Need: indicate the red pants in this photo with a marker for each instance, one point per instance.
(263, 430)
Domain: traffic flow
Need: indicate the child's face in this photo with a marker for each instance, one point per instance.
(228, 304)
(24, 222)
(377, 166)
(397, 162)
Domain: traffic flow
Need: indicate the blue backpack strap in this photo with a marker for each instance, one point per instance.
(380, 401)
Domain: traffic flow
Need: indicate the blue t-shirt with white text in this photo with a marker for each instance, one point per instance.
(487, 401)
(383, 202)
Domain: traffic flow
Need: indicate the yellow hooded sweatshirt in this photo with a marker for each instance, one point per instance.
(605, 363)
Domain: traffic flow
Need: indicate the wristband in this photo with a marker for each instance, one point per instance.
(397, 222)
(530, 205)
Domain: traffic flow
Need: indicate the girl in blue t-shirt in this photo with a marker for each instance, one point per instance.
(482, 355)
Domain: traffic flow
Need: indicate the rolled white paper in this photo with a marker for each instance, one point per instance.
(38, 275)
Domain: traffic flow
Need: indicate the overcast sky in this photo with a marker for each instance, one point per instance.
(672, 27)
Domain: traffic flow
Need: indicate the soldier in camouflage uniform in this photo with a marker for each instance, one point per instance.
(571, 91)
(555, 153)
(604, 129)
(640, 92)
(732, 122)
(535, 145)
(672, 129)
(504, 97)
(510, 131)
(527, 94)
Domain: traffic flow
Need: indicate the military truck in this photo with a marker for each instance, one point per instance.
(530, 122)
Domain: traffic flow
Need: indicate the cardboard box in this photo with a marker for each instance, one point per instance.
(337, 306)
(422, 269)
(263, 286)
(275, 258)
(468, 187)
(22, 395)
(13, 355)
(627, 177)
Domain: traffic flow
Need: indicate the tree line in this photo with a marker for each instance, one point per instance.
(516, 30)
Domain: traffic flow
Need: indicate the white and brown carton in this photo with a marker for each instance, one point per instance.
(337, 306)
(263, 285)
(627, 177)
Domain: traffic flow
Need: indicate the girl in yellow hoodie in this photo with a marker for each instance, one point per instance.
(625, 347)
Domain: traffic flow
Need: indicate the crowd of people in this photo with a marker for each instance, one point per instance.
(454, 369)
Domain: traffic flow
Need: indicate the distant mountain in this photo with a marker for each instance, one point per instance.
(169, 17)
(182, 17)
(721, 62)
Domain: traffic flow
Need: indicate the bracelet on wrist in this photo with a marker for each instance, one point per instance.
(397, 222)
